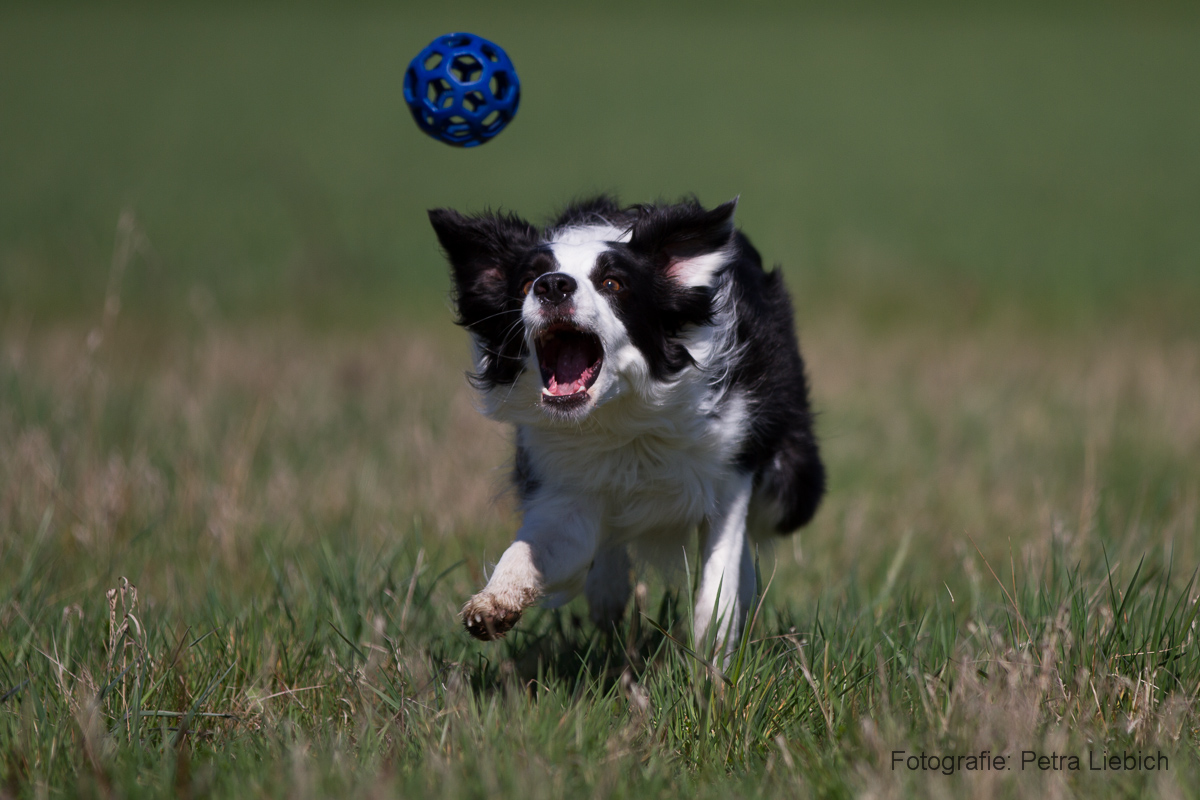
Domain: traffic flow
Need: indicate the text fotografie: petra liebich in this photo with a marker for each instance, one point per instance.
(986, 761)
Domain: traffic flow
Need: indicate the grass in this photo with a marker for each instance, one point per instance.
(244, 489)
(1004, 563)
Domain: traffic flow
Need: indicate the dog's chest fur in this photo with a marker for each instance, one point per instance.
(651, 467)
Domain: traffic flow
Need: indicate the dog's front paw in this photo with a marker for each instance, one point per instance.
(486, 618)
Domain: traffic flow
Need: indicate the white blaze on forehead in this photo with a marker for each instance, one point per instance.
(577, 260)
(590, 233)
(576, 249)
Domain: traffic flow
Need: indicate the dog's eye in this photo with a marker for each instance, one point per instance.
(526, 287)
(611, 285)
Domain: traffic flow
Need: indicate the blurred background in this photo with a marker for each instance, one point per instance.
(229, 378)
(946, 160)
(226, 324)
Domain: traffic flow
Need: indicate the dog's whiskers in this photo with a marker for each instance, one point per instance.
(497, 314)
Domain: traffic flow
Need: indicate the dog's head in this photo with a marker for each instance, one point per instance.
(596, 304)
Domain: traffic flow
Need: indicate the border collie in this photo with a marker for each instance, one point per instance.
(650, 368)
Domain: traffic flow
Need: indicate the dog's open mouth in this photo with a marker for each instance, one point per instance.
(570, 360)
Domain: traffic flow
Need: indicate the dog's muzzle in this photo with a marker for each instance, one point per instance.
(570, 360)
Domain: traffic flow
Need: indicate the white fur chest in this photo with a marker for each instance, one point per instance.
(647, 467)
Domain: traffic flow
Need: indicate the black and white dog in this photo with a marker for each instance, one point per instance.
(649, 365)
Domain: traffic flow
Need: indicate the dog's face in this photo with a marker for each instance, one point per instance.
(597, 304)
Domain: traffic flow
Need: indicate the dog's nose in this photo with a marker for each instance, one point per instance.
(554, 287)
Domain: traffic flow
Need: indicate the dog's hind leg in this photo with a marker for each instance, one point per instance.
(727, 584)
(607, 587)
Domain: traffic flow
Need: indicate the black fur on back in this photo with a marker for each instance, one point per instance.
(782, 449)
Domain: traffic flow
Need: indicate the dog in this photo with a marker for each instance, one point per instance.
(650, 368)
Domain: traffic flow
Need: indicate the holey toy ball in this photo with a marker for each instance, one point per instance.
(462, 89)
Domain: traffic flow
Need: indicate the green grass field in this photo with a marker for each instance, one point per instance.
(244, 490)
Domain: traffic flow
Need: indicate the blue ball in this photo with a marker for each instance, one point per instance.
(462, 89)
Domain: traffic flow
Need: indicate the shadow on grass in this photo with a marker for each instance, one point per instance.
(558, 647)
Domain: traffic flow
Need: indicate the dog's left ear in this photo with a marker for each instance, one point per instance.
(687, 242)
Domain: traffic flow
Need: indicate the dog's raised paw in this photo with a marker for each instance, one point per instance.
(486, 620)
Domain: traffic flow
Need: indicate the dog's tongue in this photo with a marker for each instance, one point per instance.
(570, 368)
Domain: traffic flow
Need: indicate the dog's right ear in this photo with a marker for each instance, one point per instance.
(481, 249)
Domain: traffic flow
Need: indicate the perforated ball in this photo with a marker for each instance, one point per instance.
(462, 89)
